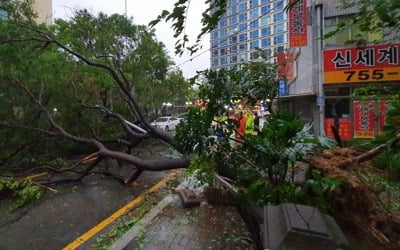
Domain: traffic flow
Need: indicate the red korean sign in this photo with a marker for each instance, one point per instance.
(298, 24)
(344, 128)
(363, 119)
(369, 64)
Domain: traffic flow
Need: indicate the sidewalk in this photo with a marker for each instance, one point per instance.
(171, 226)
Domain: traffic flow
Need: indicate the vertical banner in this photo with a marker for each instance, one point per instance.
(298, 24)
(363, 119)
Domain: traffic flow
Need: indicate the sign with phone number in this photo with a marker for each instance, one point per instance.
(363, 75)
(376, 63)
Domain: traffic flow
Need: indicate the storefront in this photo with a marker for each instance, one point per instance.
(348, 69)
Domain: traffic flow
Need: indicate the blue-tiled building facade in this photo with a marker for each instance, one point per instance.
(247, 25)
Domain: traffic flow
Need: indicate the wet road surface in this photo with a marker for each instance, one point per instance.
(59, 218)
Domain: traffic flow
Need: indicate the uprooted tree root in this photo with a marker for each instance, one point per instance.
(356, 206)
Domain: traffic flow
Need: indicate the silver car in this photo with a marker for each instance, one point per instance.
(166, 123)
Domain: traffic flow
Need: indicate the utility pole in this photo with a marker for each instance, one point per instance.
(316, 17)
(126, 9)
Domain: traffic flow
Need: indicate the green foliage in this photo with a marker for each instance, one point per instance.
(201, 171)
(373, 16)
(22, 192)
(211, 15)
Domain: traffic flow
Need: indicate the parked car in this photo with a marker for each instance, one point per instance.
(165, 122)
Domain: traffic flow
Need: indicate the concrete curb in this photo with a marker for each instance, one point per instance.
(133, 232)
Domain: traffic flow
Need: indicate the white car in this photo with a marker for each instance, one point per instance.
(166, 123)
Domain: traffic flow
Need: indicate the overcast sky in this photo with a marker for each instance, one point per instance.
(143, 12)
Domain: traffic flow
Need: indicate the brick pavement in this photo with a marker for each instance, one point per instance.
(209, 226)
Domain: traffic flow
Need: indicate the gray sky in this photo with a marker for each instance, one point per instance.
(143, 12)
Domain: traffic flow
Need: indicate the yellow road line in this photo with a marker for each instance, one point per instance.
(89, 234)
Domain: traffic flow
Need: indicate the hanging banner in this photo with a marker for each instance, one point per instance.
(298, 24)
(363, 119)
(378, 63)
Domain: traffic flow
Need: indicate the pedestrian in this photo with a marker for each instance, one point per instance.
(241, 125)
(249, 123)
(256, 122)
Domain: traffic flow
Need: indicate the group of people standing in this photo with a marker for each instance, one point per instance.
(247, 123)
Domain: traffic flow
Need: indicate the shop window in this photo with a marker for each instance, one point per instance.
(337, 107)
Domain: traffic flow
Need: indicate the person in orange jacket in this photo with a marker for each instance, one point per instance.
(241, 125)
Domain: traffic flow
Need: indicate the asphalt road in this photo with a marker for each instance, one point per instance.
(59, 218)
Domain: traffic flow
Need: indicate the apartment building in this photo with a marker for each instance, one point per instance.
(247, 25)
(43, 8)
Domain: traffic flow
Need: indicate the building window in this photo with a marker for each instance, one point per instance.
(279, 39)
(223, 23)
(243, 46)
(278, 17)
(233, 39)
(215, 53)
(223, 33)
(267, 52)
(265, 1)
(253, 3)
(254, 14)
(242, 57)
(234, 59)
(233, 49)
(233, 19)
(234, 10)
(278, 6)
(265, 10)
(224, 61)
(253, 34)
(265, 20)
(265, 42)
(266, 31)
(242, 7)
(279, 50)
(214, 44)
(233, 30)
(242, 37)
(215, 62)
(214, 35)
(242, 27)
(242, 17)
(254, 24)
(233, 2)
(278, 28)
(254, 44)
(223, 42)
(222, 52)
